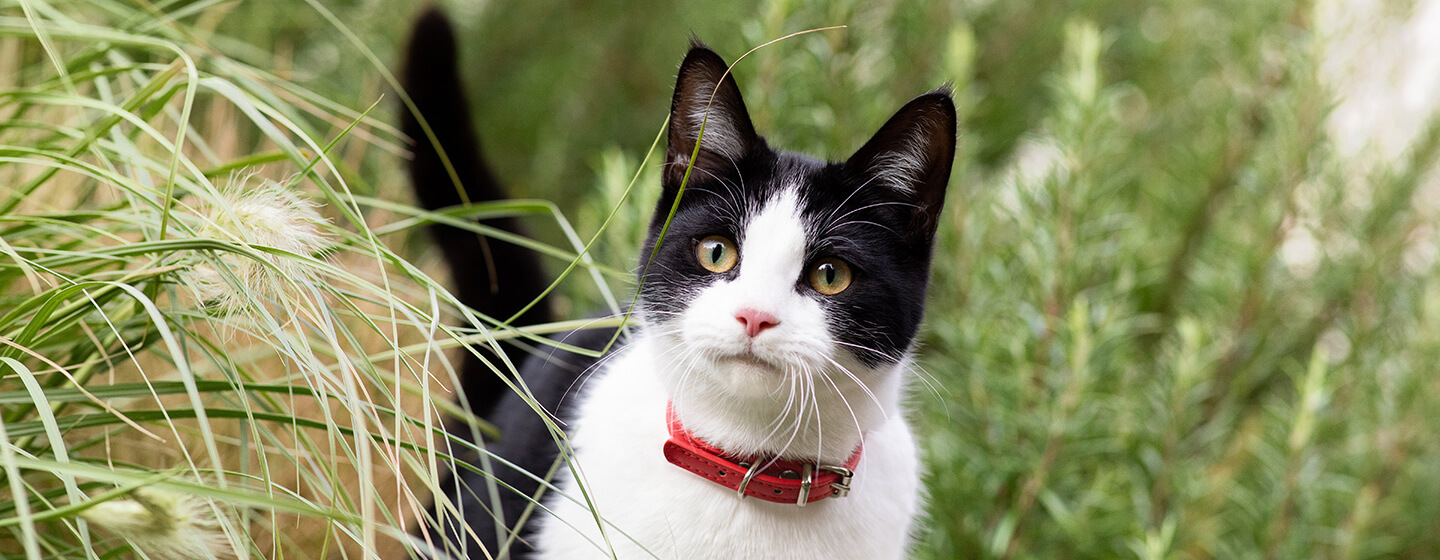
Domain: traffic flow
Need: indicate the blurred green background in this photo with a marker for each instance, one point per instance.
(1170, 319)
(1123, 364)
(1172, 316)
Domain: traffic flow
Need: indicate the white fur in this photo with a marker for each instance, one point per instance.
(720, 138)
(904, 168)
(783, 392)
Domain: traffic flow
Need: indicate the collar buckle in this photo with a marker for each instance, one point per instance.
(841, 487)
(753, 469)
(807, 479)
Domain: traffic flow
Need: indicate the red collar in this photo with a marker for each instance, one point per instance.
(773, 480)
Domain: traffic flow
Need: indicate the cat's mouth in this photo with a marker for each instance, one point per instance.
(750, 359)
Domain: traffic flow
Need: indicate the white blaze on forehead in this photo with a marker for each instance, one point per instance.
(772, 251)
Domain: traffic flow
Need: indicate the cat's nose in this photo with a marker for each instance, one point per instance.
(755, 320)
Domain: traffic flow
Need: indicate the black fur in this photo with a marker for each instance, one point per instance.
(885, 233)
(496, 279)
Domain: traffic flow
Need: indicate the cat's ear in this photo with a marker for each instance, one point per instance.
(728, 134)
(911, 156)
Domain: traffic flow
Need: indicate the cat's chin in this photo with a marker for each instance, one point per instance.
(748, 375)
(751, 361)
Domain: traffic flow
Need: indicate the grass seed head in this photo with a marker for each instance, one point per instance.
(267, 215)
(163, 524)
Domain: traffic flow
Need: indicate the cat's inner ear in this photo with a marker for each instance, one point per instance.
(728, 134)
(911, 156)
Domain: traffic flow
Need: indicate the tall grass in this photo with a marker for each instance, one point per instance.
(1173, 315)
(210, 349)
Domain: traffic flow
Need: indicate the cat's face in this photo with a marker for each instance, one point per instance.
(776, 266)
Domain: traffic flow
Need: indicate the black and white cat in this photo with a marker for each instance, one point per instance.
(758, 412)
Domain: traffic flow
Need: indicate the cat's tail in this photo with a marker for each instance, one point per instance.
(496, 278)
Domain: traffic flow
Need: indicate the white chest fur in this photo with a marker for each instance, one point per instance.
(654, 509)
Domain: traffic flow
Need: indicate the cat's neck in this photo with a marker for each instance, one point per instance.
(813, 419)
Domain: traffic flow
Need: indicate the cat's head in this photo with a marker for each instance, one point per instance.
(777, 265)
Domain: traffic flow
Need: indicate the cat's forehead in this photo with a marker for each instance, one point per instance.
(840, 214)
(775, 176)
(817, 188)
(826, 198)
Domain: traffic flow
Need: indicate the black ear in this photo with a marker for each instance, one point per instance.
(728, 134)
(911, 156)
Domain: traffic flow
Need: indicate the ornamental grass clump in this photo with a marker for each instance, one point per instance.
(197, 283)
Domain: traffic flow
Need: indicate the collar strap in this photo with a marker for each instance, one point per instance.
(771, 479)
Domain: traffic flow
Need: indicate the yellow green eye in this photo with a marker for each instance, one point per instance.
(717, 254)
(830, 276)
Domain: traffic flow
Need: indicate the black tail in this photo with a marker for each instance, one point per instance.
(494, 277)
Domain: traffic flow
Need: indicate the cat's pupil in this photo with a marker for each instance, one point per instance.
(716, 251)
(829, 271)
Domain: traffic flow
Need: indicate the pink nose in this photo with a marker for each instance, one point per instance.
(755, 321)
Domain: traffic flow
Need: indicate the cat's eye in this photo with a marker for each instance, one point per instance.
(717, 254)
(830, 276)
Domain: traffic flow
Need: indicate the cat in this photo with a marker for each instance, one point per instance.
(757, 411)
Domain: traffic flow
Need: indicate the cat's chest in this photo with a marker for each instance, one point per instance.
(654, 507)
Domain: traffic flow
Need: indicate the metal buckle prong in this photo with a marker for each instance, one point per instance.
(749, 474)
(807, 477)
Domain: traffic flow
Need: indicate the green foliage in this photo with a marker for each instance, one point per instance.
(1169, 318)
(1139, 356)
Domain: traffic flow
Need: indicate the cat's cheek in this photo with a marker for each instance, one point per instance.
(875, 326)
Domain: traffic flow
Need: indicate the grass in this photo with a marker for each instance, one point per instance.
(209, 344)
(1175, 312)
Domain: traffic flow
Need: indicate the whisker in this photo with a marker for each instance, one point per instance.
(853, 417)
(930, 381)
(862, 385)
(835, 223)
(852, 194)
